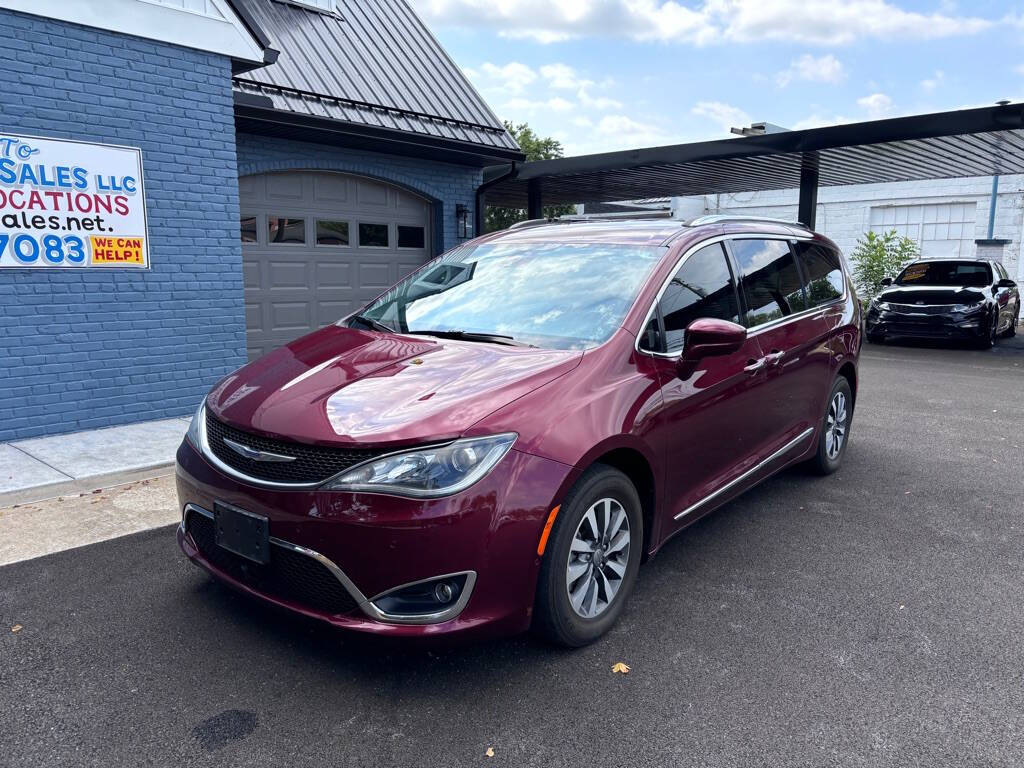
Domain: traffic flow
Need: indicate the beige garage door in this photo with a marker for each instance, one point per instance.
(317, 245)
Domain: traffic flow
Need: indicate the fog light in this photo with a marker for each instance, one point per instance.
(422, 598)
(444, 592)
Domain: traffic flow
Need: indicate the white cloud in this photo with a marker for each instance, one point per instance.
(522, 106)
(562, 76)
(877, 105)
(874, 107)
(600, 103)
(931, 83)
(822, 22)
(512, 77)
(725, 116)
(823, 69)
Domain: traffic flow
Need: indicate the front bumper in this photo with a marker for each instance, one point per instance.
(951, 325)
(371, 543)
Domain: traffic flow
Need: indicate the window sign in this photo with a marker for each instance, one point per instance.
(71, 204)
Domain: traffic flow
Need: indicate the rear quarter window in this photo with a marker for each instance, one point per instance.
(822, 272)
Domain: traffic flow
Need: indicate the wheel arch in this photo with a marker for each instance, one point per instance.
(849, 372)
(633, 462)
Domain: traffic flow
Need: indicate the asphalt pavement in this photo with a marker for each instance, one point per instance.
(872, 618)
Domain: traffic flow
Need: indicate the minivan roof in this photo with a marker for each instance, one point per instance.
(635, 231)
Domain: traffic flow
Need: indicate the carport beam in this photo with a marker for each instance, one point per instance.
(534, 203)
(808, 207)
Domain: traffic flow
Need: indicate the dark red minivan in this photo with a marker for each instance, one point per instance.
(502, 438)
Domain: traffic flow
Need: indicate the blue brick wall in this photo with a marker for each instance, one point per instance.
(445, 184)
(90, 348)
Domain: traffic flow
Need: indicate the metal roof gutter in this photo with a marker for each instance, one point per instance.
(255, 114)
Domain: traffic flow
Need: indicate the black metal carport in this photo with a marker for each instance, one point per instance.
(988, 141)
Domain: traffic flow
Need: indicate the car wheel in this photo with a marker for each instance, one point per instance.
(835, 429)
(591, 560)
(989, 340)
(1010, 332)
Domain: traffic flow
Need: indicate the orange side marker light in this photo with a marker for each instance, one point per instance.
(547, 530)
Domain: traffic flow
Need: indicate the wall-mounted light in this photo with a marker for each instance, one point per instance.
(463, 229)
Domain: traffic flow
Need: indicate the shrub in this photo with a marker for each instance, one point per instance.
(879, 256)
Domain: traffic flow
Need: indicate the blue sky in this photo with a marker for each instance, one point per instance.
(601, 75)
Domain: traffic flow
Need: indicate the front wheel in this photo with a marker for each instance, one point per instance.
(989, 339)
(1010, 332)
(592, 559)
(834, 433)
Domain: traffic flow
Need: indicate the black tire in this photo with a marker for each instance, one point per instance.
(1010, 332)
(822, 463)
(989, 339)
(554, 618)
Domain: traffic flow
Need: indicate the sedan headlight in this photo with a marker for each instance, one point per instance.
(194, 428)
(968, 308)
(429, 472)
(881, 306)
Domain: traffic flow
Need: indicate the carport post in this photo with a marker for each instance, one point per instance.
(807, 210)
(534, 204)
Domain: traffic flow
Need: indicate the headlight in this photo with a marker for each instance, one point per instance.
(194, 428)
(882, 306)
(968, 308)
(427, 473)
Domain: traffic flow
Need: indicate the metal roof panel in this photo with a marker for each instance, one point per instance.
(374, 63)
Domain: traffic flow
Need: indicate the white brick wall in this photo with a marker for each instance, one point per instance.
(844, 212)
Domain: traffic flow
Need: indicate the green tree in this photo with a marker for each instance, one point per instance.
(535, 148)
(880, 256)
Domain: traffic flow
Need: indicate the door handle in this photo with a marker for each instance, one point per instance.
(774, 357)
(753, 366)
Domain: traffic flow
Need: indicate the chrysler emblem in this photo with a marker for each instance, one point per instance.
(252, 453)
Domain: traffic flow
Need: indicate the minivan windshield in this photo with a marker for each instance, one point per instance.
(973, 274)
(553, 295)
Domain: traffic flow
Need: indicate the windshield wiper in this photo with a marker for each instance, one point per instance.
(369, 322)
(496, 338)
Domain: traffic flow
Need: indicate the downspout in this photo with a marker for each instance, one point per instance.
(481, 194)
(992, 208)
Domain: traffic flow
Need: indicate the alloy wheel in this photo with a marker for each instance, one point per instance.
(835, 426)
(597, 558)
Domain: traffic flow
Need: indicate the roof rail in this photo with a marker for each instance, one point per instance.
(528, 223)
(616, 216)
(717, 218)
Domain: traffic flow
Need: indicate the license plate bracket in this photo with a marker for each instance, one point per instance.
(244, 533)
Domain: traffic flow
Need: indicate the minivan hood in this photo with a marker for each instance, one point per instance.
(341, 385)
(930, 294)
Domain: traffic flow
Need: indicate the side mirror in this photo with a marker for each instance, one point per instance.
(1006, 283)
(886, 282)
(708, 337)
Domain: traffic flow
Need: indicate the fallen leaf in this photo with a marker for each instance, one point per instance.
(490, 752)
(16, 628)
(619, 668)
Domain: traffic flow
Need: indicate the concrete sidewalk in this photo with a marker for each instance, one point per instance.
(38, 467)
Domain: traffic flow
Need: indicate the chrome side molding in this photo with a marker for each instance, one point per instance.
(753, 470)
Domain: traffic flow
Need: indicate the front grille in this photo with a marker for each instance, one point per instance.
(313, 463)
(289, 575)
(922, 309)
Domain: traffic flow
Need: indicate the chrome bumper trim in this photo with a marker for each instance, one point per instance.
(365, 604)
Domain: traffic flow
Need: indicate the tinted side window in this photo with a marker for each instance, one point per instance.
(770, 280)
(822, 272)
(701, 287)
(1001, 273)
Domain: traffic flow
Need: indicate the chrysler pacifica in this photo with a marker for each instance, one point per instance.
(499, 440)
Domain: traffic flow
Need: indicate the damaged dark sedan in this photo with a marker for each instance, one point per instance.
(955, 299)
